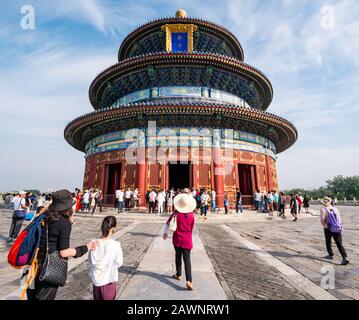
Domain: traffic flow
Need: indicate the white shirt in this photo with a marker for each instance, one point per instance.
(213, 195)
(18, 203)
(86, 197)
(40, 202)
(152, 196)
(258, 196)
(204, 198)
(128, 194)
(135, 194)
(105, 261)
(161, 197)
(120, 195)
(117, 192)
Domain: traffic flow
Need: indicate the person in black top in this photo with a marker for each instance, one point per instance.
(293, 206)
(239, 201)
(59, 218)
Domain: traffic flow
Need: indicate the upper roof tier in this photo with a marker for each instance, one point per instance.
(207, 37)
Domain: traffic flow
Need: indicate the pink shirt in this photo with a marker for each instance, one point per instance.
(182, 237)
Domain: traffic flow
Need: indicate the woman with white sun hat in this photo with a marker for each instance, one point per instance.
(184, 205)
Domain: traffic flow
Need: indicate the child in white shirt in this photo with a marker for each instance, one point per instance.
(105, 261)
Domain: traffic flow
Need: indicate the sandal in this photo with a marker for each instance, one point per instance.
(189, 285)
(175, 276)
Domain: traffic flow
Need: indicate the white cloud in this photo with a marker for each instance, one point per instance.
(314, 73)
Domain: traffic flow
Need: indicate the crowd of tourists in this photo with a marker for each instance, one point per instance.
(55, 218)
(277, 202)
(88, 200)
(161, 201)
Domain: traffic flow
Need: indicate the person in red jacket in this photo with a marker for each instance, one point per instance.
(184, 205)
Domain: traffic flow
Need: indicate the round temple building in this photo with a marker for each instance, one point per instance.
(181, 109)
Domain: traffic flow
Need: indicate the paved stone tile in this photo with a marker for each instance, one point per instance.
(301, 245)
(246, 276)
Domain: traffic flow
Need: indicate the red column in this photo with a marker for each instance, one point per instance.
(141, 174)
(194, 175)
(269, 185)
(218, 172)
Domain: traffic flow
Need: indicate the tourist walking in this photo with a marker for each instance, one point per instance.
(204, 204)
(299, 199)
(128, 196)
(152, 201)
(306, 203)
(257, 200)
(213, 200)
(331, 221)
(282, 202)
(275, 200)
(79, 201)
(182, 238)
(120, 201)
(238, 201)
(55, 237)
(293, 206)
(86, 201)
(169, 201)
(226, 202)
(136, 199)
(105, 261)
(161, 198)
(18, 216)
(270, 201)
(98, 197)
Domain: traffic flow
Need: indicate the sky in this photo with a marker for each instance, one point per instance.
(308, 49)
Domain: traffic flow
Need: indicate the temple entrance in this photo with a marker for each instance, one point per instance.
(113, 182)
(246, 176)
(179, 176)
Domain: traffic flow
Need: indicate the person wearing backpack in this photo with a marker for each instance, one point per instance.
(55, 239)
(105, 261)
(18, 217)
(331, 221)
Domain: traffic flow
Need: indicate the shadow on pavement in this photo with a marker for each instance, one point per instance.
(165, 279)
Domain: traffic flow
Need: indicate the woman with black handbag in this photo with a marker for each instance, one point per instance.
(54, 248)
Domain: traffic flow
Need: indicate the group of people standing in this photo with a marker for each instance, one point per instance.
(126, 199)
(273, 201)
(88, 200)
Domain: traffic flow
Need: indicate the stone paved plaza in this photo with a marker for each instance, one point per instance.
(250, 256)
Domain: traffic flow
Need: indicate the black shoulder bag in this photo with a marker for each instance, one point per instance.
(55, 267)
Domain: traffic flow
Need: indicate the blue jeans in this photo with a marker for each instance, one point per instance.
(239, 206)
(213, 205)
(120, 206)
(204, 209)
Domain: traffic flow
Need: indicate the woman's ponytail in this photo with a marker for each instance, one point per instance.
(108, 223)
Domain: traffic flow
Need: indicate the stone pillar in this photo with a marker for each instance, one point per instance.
(141, 175)
(218, 172)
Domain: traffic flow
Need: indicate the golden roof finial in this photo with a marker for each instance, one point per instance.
(181, 13)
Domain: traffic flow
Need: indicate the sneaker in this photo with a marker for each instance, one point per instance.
(10, 239)
(329, 257)
(189, 285)
(345, 262)
(175, 276)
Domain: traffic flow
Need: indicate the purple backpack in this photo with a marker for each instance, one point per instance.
(333, 221)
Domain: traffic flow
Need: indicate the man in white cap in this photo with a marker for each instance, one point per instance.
(18, 216)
